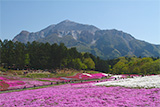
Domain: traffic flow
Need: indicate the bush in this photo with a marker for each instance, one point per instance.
(38, 75)
(3, 69)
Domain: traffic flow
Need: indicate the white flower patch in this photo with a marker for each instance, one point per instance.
(117, 76)
(66, 78)
(87, 74)
(106, 74)
(138, 82)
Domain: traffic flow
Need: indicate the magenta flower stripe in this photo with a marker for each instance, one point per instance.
(83, 95)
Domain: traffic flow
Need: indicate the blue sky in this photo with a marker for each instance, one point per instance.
(140, 18)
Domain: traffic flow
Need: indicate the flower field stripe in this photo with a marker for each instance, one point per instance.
(78, 76)
(152, 81)
(9, 83)
(82, 95)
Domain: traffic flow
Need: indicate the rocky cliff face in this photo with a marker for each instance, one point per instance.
(88, 38)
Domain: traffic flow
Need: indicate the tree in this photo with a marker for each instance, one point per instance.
(53, 62)
(102, 66)
(27, 60)
(73, 53)
(86, 55)
(37, 55)
(77, 64)
(136, 70)
(1, 45)
(62, 53)
(89, 63)
(121, 66)
(146, 59)
(8, 53)
(19, 49)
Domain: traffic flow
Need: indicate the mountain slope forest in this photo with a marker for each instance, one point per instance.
(37, 55)
(106, 44)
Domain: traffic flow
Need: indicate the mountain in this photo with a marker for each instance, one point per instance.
(106, 44)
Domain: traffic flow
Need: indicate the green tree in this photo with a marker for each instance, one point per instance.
(121, 66)
(8, 53)
(146, 59)
(136, 70)
(54, 61)
(89, 63)
(77, 64)
(19, 49)
(27, 60)
(1, 45)
(86, 55)
(102, 66)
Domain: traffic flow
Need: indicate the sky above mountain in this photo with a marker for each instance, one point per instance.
(140, 18)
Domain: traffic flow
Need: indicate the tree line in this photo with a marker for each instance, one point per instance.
(134, 65)
(35, 55)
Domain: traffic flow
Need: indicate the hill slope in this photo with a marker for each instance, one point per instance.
(106, 44)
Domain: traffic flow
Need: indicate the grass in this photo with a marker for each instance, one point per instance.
(27, 88)
(64, 74)
(92, 72)
(45, 80)
(45, 75)
(3, 69)
(59, 74)
(38, 75)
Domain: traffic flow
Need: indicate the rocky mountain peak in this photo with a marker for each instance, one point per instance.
(67, 21)
(106, 44)
(24, 32)
(68, 25)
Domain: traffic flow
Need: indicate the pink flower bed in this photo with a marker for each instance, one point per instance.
(99, 75)
(3, 78)
(28, 84)
(18, 83)
(82, 96)
(78, 76)
(13, 83)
